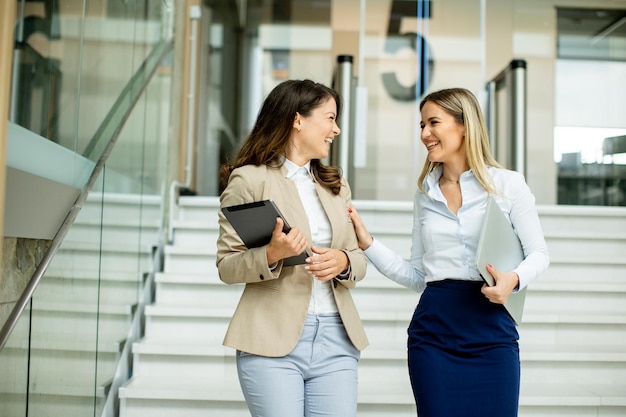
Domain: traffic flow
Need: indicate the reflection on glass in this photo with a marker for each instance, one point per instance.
(75, 60)
(590, 132)
(598, 34)
(589, 143)
(72, 60)
(592, 165)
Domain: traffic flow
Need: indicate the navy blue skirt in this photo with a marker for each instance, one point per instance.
(463, 354)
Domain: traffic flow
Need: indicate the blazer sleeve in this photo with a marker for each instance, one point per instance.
(235, 262)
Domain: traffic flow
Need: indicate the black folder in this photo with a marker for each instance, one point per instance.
(254, 223)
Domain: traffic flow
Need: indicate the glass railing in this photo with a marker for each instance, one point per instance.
(63, 355)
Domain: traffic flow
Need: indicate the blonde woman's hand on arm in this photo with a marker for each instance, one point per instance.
(364, 237)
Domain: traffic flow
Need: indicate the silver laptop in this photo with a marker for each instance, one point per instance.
(499, 245)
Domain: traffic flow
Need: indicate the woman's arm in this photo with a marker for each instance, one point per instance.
(235, 262)
(525, 220)
(390, 264)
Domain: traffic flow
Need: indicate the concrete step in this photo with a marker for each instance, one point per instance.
(86, 289)
(190, 260)
(189, 323)
(593, 220)
(572, 350)
(195, 234)
(587, 246)
(50, 360)
(376, 293)
(125, 232)
(194, 396)
(128, 220)
(120, 208)
(76, 322)
(573, 329)
(195, 290)
(55, 400)
(592, 298)
(540, 363)
(397, 216)
(122, 257)
(198, 209)
(561, 243)
(585, 269)
(574, 267)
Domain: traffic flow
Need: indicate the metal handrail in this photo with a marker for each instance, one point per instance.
(131, 93)
(133, 90)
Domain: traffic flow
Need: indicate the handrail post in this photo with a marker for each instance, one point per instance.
(341, 150)
(510, 149)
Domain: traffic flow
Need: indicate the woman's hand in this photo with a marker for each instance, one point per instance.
(506, 282)
(326, 263)
(283, 245)
(364, 237)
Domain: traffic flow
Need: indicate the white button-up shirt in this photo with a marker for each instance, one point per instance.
(445, 245)
(322, 299)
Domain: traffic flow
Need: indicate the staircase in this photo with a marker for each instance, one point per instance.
(81, 312)
(573, 336)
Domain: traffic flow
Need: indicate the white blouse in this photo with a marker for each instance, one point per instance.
(444, 244)
(322, 298)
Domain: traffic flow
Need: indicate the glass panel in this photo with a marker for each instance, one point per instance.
(401, 38)
(282, 41)
(406, 46)
(83, 307)
(590, 132)
(410, 48)
(71, 58)
(65, 324)
(14, 370)
(119, 111)
(591, 33)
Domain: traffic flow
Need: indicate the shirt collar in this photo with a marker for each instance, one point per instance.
(433, 178)
(292, 168)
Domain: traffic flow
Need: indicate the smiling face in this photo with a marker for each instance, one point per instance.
(313, 134)
(442, 135)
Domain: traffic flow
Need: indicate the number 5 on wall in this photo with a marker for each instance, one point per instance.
(416, 42)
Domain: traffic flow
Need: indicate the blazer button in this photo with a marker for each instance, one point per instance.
(261, 277)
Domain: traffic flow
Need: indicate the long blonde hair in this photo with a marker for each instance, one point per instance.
(463, 106)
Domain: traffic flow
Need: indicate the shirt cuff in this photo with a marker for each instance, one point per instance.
(346, 274)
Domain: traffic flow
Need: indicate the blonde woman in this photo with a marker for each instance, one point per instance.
(463, 352)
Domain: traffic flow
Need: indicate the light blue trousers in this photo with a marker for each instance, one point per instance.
(318, 378)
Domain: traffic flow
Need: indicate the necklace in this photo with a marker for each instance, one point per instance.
(449, 180)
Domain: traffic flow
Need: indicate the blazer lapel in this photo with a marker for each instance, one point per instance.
(285, 194)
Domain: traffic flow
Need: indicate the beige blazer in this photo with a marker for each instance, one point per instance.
(270, 316)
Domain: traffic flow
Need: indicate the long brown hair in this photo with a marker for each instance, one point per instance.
(269, 138)
(463, 106)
